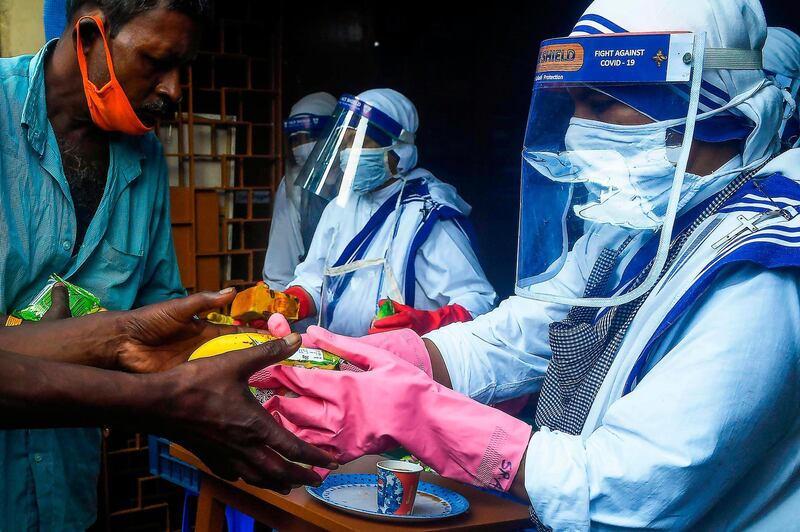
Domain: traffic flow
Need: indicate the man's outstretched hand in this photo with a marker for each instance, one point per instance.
(212, 412)
(204, 405)
(160, 336)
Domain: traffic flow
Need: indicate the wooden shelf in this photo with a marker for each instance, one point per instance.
(230, 252)
(241, 220)
(227, 133)
(232, 189)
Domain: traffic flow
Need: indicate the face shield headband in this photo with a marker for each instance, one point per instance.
(305, 123)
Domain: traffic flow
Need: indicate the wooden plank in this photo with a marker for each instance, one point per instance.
(207, 223)
(208, 273)
(210, 511)
(180, 200)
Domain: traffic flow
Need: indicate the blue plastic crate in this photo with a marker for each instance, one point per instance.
(170, 468)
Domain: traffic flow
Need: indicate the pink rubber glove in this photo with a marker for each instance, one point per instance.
(278, 326)
(391, 404)
(403, 343)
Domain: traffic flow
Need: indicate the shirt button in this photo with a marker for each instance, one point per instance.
(67, 245)
(37, 458)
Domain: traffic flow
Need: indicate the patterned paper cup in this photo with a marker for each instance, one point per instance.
(397, 486)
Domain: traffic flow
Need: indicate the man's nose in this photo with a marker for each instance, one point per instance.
(170, 86)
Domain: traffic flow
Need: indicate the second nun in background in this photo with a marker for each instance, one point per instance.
(391, 230)
(295, 214)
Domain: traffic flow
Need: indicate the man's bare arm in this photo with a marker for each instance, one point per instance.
(152, 338)
(204, 405)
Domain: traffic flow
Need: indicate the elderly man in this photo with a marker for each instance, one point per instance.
(86, 195)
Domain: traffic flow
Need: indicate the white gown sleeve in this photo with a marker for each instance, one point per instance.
(725, 390)
(309, 274)
(285, 245)
(504, 354)
(448, 272)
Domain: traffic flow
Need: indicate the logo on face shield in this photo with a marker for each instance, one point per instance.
(659, 58)
(560, 58)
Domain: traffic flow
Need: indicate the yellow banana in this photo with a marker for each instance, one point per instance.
(304, 357)
(229, 342)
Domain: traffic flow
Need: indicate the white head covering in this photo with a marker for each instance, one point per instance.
(401, 110)
(316, 103)
(727, 24)
(782, 52)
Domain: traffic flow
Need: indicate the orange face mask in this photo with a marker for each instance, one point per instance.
(109, 106)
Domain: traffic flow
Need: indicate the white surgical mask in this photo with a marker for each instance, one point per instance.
(628, 171)
(302, 152)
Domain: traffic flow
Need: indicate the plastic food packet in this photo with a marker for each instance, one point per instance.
(385, 310)
(260, 300)
(81, 301)
(221, 319)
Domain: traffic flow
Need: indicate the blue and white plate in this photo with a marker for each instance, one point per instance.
(358, 495)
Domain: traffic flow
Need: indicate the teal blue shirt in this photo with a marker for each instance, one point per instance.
(48, 478)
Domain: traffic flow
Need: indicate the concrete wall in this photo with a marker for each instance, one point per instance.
(21, 27)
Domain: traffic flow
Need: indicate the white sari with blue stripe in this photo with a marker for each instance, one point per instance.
(431, 255)
(697, 423)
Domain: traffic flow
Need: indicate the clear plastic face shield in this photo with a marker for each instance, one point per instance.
(354, 154)
(591, 160)
(302, 132)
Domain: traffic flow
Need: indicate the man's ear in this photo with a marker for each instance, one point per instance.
(93, 49)
(89, 33)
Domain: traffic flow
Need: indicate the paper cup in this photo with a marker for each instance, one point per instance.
(397, 486)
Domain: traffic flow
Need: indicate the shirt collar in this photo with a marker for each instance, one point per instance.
(34, 110)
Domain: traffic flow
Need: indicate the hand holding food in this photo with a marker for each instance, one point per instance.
(305, 357)
(160, 336)
(214, 415)
(80, 302)
(392, 315)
